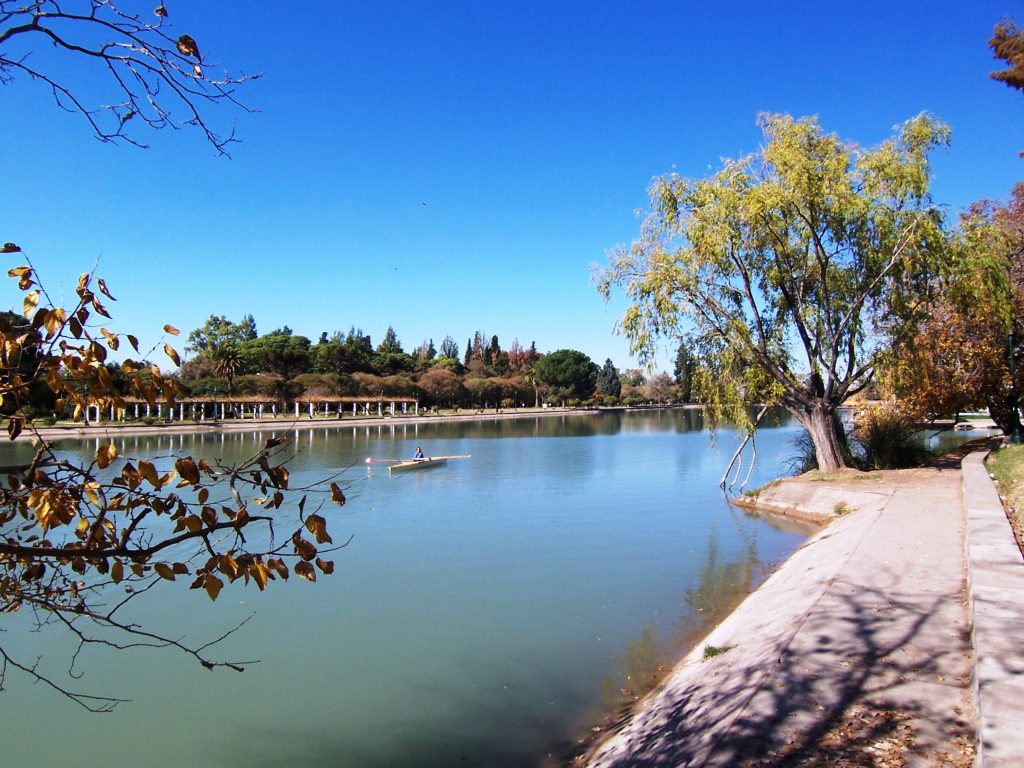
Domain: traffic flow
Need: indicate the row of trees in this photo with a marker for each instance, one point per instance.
(231, 358)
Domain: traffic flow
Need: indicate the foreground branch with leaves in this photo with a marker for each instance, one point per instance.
(80, 540)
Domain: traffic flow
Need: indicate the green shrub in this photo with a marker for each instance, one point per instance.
(888, 439)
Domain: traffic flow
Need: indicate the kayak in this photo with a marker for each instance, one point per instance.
(411, 464)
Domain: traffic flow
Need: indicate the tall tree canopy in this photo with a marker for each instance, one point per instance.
(1007, 44)
(608, 382)
(219, 332)
(791, 268)
(570, 372)
(969, 349)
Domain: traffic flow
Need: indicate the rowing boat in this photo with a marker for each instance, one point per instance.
(405, 466)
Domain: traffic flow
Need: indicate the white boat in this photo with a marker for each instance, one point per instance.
(411, 464)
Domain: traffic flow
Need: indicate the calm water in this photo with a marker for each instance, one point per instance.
(482, 615)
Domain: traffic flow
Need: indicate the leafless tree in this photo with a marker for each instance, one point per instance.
(150, 75)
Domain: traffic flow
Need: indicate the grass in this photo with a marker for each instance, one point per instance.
(1007, 465)
(710, 651)
(840, 509)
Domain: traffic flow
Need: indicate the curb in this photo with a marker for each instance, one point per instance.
(995, 591)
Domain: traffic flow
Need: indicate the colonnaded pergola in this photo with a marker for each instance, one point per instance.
(254, 407)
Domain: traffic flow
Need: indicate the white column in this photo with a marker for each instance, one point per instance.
(296, 409)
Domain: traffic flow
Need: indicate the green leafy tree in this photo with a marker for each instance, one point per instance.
(608, 382)
(426, 352)
(218, 332)
(685, 368)
(279, 352)
(794, 266)
(569, 372)
(449, 348)
(390, 345)
(227, 362)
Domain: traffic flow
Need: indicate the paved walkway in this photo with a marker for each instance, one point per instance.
(860, 641)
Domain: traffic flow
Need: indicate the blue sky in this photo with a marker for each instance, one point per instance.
(447, 167)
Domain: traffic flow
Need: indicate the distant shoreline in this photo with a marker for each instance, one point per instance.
(269, 424)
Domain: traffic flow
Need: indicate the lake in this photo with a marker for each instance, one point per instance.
(485, 613)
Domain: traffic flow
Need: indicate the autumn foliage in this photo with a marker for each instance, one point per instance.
(79, 540)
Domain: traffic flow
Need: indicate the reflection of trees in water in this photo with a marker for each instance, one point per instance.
(721, 585)
(637, 671)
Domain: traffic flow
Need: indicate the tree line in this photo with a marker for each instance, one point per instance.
(232, 359)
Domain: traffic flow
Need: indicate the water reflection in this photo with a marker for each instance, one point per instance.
(471, 621)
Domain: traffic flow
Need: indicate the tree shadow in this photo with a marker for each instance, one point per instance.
(868, 673)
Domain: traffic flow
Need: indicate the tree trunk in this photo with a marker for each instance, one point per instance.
(1001, 409)
(827, 434)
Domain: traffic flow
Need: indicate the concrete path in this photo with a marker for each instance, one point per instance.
(861, 641)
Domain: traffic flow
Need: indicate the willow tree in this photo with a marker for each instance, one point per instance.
(789, 270)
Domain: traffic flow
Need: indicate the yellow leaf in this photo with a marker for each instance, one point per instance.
(105, 454)
(117, 572)
(259, 573)
(31, 300)
(193, 523)
(212, 585)
(171, 330)
(90, 493)
(318, 527)
(228, 566)
(164, 571)
(148, 472)
(169, 351)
